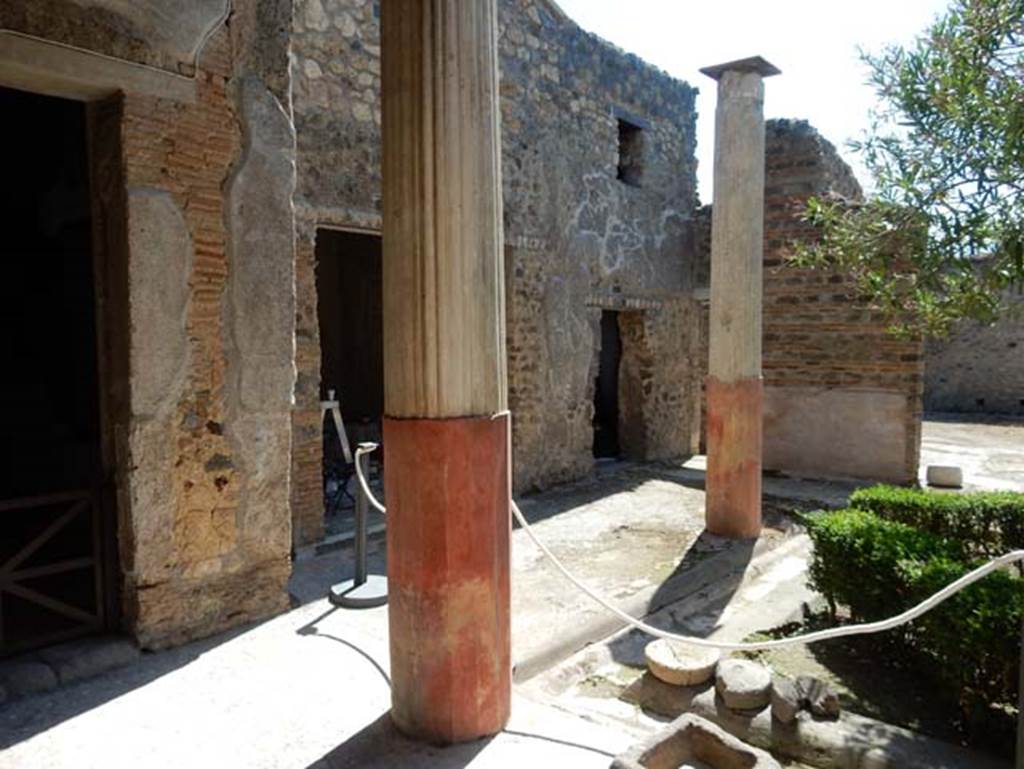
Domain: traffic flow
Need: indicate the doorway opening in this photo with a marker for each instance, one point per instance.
(53, 570)
(606, 389)
(350, 311)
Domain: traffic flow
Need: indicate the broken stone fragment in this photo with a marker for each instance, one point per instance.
(680, 664)
(820, 698)
(742, 684)
(692, 741)
(785, 700)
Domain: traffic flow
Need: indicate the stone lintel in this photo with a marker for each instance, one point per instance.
(752, 64)
(49, 68)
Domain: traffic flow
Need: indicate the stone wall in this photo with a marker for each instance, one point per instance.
(842, 396)
(202, 311)
(979, 368)
(577, 238)
(336, 95)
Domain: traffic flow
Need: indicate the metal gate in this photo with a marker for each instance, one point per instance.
(51, 569)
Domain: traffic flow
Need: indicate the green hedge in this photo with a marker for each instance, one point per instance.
(981, 523)
(879, 567)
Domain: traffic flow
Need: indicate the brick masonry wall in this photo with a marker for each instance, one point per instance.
(190, 310)
(192, 561)
(842, 396)
(307, 448)
(979, 368)
(577, 239)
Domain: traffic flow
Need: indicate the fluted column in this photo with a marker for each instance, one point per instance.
(446, 429)
(734, 387)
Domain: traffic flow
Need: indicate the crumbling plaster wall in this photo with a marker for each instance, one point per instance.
(202, 448)
(161, 34)
(577, 239)
(842, 395)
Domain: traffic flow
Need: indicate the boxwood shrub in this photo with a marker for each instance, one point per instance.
(982, 523)
(879, 566)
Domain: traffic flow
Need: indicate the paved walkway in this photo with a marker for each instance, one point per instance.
(307, 689)
(310, 688)
(991, 451)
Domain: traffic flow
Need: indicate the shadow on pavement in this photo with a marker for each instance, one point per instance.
(713, 561)
(25, 718)
(381, 746)
(310, 630)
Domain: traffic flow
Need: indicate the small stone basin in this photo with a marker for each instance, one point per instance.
(691, 742)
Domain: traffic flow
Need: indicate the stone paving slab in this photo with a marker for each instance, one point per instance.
(66, 663)
(306, 689)
(635, 535)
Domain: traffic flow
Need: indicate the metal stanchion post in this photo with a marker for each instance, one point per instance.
(364, 590)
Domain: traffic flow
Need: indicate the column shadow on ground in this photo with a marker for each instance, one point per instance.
(718, 563)
(380, 745)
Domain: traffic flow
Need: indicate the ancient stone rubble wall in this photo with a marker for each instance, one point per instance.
(979, 368)
(577, 239)
(202, 441)
(336, 93)
(842, 396)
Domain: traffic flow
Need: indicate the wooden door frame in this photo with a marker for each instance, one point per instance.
(108, 197)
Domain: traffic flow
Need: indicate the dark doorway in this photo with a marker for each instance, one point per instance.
(349, 284)
(606, 389)
(350, 311)
(51, 463)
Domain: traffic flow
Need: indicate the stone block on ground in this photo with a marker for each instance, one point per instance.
(692, 741)
(785, 700)
(20, 678)
(680, 664)
(945, 476)
(89, 657)
(742, 684)
(820, 698)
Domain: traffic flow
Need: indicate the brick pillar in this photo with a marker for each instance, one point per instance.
(734, 384)
(446, 429)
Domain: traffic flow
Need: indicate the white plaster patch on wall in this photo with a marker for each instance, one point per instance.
(160, 262)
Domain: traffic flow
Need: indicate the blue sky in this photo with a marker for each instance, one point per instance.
(813, 42)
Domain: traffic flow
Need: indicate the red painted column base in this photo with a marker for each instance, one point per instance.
(734, 436)
(447, 489)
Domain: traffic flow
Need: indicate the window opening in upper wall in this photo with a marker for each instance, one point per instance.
(631, 153)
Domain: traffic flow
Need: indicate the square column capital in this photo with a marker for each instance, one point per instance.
(752, 64)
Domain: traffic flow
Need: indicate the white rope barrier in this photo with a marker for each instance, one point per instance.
(820, 635)
(367, 448)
